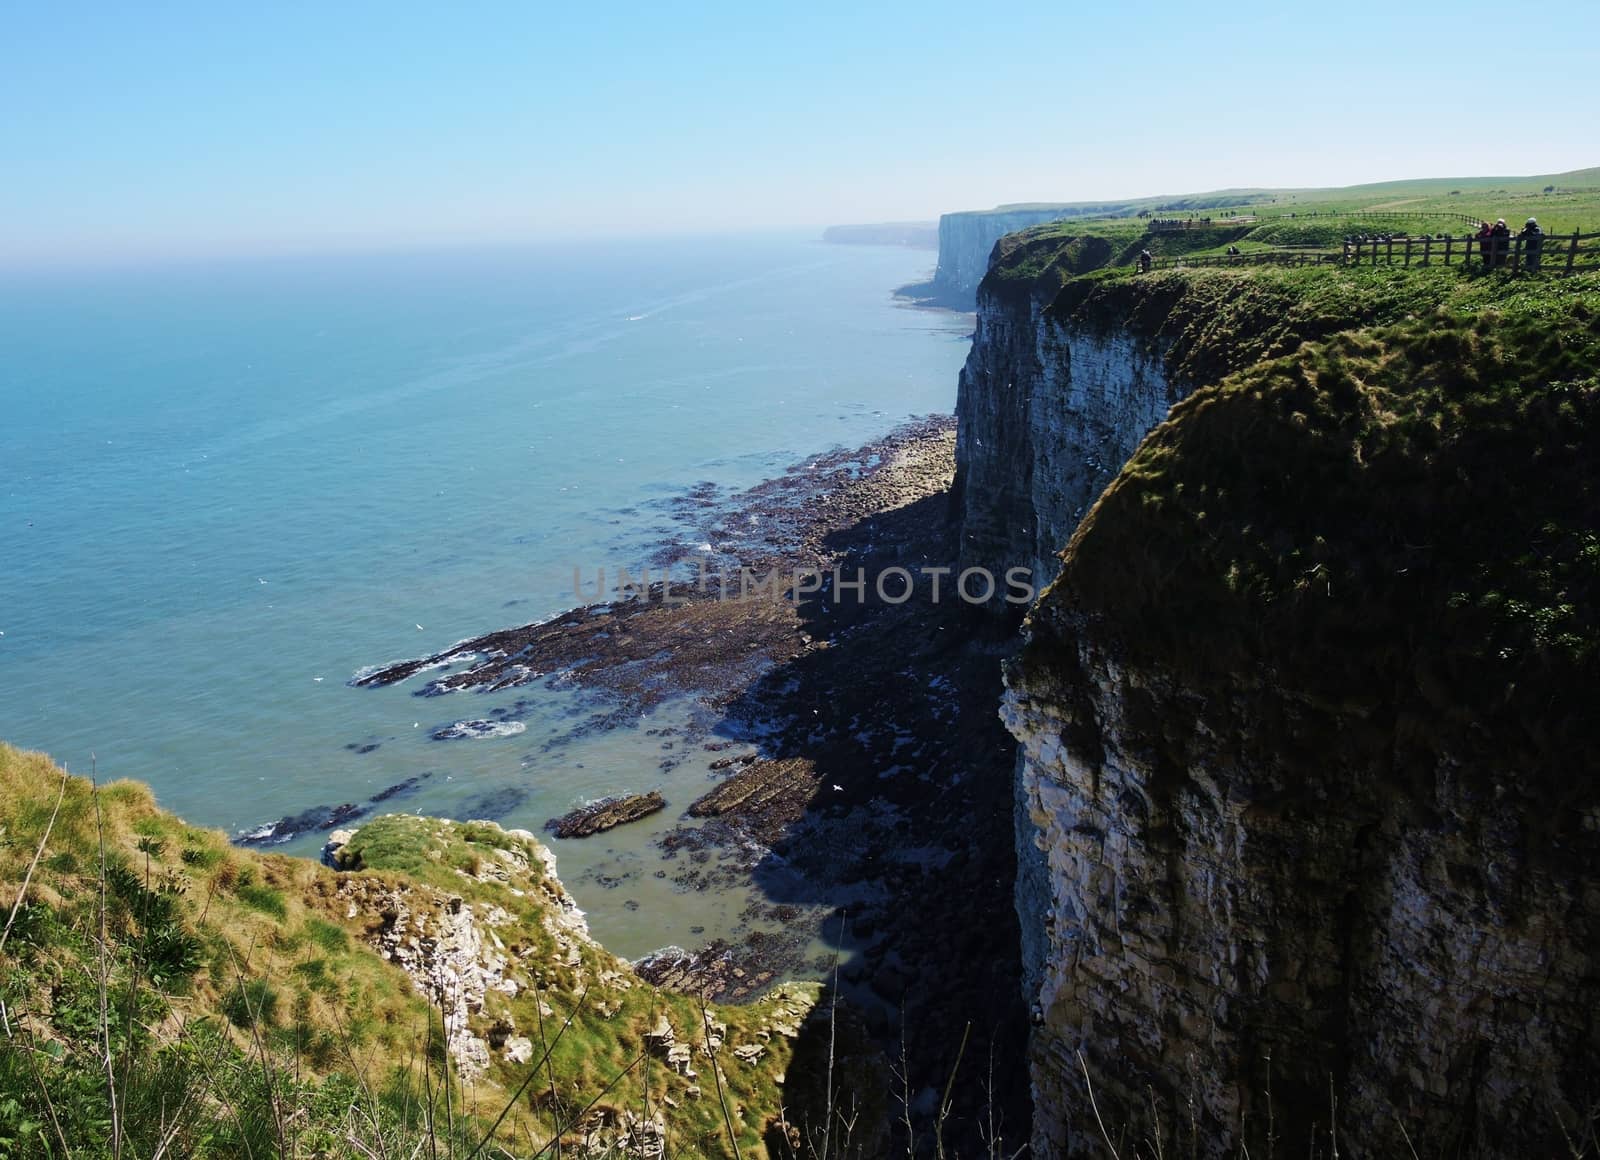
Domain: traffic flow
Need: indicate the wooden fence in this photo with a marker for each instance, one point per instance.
(1558, 254)
(1303, 256)
(1167, 225)
(1162, 225)
(1388, 215)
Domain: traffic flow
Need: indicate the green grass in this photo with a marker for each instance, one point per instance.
(1570, 200)
(1394, 473)
(245, 988)
(1037, 262)
(265, 899)
(1212, 322)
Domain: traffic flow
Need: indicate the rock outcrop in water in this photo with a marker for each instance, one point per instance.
(607, 814)
(1306, 800)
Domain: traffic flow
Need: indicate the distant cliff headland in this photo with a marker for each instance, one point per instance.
(1273, 829)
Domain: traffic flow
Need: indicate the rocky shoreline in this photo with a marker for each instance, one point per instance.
(865, 777)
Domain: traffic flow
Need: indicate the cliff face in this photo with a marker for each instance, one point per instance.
(1047, 412)
(1051, 402)
(1215, 920)
(966, 240)
(1308, 830)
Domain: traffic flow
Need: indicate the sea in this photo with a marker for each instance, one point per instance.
(229, 487)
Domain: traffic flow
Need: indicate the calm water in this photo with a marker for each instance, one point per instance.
(225, 489)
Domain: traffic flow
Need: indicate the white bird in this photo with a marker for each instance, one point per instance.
(840, 788)
(317, 679)
(259, 580)
(419, 628)
(414, 724)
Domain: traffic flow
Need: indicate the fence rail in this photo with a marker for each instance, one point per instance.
(1168, 225)
(1369, 215)
(1160, 225)
(1557, 253)
(1284, 257)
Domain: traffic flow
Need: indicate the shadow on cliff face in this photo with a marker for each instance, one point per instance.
(884, 791)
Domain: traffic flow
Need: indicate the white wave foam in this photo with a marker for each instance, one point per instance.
(478, 729)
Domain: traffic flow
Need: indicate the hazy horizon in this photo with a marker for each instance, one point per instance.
(190, 132)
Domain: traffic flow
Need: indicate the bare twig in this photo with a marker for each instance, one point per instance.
(449, 1106)
(1410, 1147)
(34, 865)
(254, 1014)
(905, 1085)
(1105, 1135)
(44, 1092)
(533, 1074)
(1272, 1140)
(1155, 1120)
(549, 1067)
(949, 1086)
(584, 1111)
(1333, 1120)
(716, 1074)
(101, 957)
(192, 1092)
(427, 1087)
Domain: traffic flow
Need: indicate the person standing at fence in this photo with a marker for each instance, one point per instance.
(1144, 261)
(1500, 238)
(1532, 244)
(1486, 243)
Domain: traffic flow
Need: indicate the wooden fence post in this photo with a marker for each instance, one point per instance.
(1427, 250)
(1408, 250)
(1516, 253)
(1572, 251)
(1447, 240)
(1388, 256)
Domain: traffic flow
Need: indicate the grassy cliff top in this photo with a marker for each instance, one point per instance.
(1390, 498)
(1036, 263)
(1216, 321)
(1561, 195)
(259, 1004)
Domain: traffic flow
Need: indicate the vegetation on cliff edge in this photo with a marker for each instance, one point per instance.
(165, 993)
(1402, 506)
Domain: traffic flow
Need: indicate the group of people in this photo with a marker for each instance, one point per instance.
(1494, 244)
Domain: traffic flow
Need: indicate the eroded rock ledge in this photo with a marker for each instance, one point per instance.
(475, 916)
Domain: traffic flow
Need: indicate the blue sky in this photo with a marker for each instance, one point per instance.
(196, 128)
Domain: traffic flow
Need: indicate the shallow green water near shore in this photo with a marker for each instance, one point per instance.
(226, 489)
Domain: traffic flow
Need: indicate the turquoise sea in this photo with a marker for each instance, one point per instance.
(225, 488)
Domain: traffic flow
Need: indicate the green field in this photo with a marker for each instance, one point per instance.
(1288, 222)
(1569, 200)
